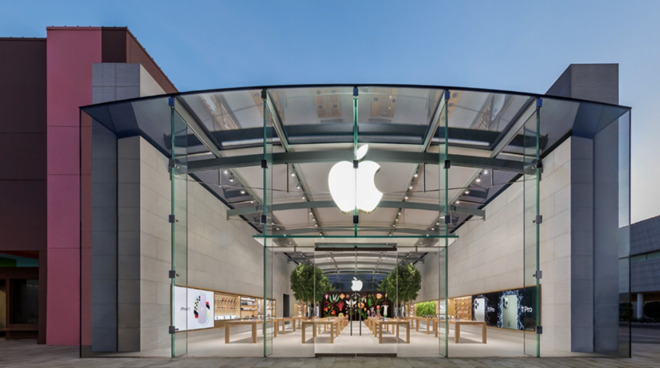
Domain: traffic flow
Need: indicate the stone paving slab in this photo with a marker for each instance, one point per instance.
(26, 353)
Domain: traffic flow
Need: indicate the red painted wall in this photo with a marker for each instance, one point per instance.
(71, 51)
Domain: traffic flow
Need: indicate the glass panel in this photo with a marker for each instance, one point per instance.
(179, 228)
(269, 225)
(529, 316)
(24, 297)
(625, 306)
(444, 221)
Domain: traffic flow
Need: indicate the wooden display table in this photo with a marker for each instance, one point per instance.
(283, 320)
(299, 320)
(395, 323)
(251, 322)
(457, 328)
(336, 325)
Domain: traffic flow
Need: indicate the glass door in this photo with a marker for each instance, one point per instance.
(529, 318)
(179, 232)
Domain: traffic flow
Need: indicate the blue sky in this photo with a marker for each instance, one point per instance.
(510, 45)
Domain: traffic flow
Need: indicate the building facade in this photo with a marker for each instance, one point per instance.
(164, 222)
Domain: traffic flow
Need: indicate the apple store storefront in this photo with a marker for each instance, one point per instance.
(384, 220)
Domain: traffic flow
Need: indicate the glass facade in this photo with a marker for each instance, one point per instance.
(204, 205)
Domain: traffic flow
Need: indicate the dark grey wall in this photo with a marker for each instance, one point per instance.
(606, 240)
(593, 82)
(582, 245)
(104, 238)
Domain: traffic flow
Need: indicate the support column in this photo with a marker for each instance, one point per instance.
(640, 306)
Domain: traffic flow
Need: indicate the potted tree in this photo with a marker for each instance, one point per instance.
(309, 284)
(402, 284)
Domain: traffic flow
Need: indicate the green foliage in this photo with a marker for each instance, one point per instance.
(309, 283)
(652, 310)
(425, 309)
(403, 283)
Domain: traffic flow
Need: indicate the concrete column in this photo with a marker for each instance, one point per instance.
(640, 306)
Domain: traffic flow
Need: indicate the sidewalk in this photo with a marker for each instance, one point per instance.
(26, 353)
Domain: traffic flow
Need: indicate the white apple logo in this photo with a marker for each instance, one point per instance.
(353, 188)
(356, 285)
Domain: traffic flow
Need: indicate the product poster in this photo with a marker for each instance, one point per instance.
(479, 305)
(193, 308)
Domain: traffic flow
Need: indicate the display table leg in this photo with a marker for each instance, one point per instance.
(483, 333)
(332, 333)
(226, 333)
(380, 333)
(397, 331)
(407, 334)
(457, 332)
(276, 325)
(303, 334)
(254, 333)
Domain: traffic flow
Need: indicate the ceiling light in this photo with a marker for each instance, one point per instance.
(437, 223)
(399, 214)
(231, 178)
(432, 229)
(416, 175)
(457, 202)
(293, 173)
(410, 187)
(313, 219)
(397, 220)
(393, 225)
(225, 171)
(405, 198)
(252, 201)
(298, 186)
(310, 212)
(316, 225)
(486, 172)
(467, 192)
(303, 198)
(242, 191)
(478, 180)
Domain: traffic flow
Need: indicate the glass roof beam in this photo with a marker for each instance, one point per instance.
(331, 204)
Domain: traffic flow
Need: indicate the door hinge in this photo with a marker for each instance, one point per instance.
(539, 330)
(172, 274)
(172, 330)
(538, 219)
(171, 219)
(538, 274)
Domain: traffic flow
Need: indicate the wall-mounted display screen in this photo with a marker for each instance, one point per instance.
(193, 308)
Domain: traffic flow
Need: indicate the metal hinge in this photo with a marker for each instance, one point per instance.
(172, 274)
(264, 164)
(447, 164)
(172, 330)
(538, 219)
(171, 219)
(538, 274)
(539, 330)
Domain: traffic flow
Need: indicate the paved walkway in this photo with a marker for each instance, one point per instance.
(26, 353)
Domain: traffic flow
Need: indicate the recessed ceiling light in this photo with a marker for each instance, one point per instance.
(405, 198)
(410, 187)
(293, 173)
(478, 180)
(242, 191)
(298, 186)
(225, 171)
(467, 192)
(231, 178)
(393, 225)
(457, 202)
(416, 175)
(303, 198)
(252, 201)
(397, 220)
(486, 172)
